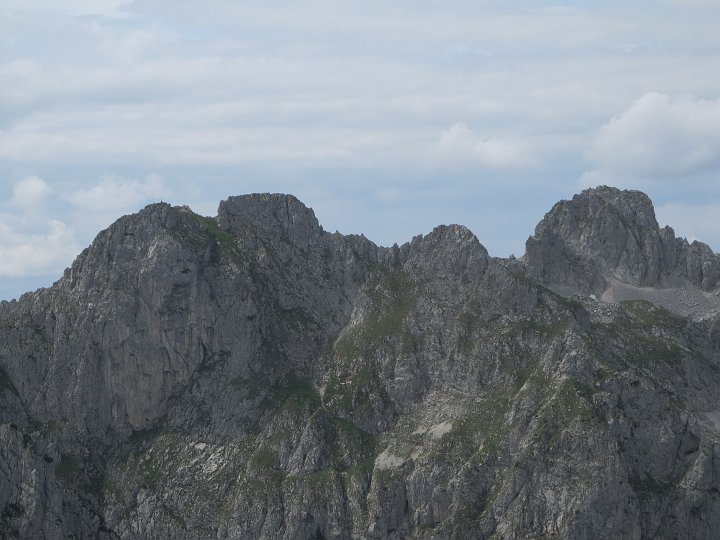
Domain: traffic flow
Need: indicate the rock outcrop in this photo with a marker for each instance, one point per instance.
(606, 233)
(254, 376)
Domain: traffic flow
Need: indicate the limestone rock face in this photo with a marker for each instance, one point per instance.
(606, 233)
(254, 376)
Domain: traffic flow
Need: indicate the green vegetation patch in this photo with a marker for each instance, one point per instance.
(546, 330)
(353, 443)
(363, 468)
(574, 401)
(480, 432)
(293, 394)
(147, 434)
(224, 240)
(263, 458)
(394, 295)
(485, 429)
(534, 379)
(565, 403)
(339, 393)
(351, 459)
(316, 480)
(297, 317)
(5, 382)
(353, 394)
(12, 511)
(468, 324)
(208, 235)
(155, 453)
(50, 427)
(649, 486)
(67, 467)
(638, 336)
(646, 350)
(645, 313)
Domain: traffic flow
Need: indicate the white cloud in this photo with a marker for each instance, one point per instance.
(391, 194)
(37, 237)
(658, 137)
(321, 83)
(107, 8)
(222, 133)
(23, 253)
(30, 192)
(20, 81)
(116, 195)
(692, 3)
(32, 240)
(460, 145)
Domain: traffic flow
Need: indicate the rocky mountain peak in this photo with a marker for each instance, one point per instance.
(119, 248)
(269, 215)
(607, 234)
(450, 250)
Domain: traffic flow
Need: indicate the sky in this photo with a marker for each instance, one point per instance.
(387, 118)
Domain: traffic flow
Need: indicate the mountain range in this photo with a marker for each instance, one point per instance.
(251, 375)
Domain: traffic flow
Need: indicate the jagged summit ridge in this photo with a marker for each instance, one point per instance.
(270, 213)
(602, 233)
(606, 233)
